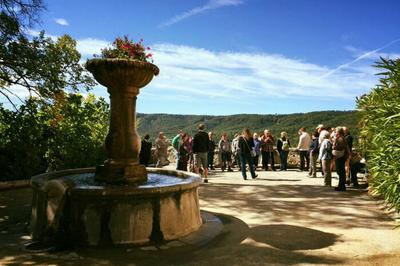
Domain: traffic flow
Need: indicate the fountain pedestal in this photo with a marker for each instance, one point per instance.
(122, 143)
(123, 79)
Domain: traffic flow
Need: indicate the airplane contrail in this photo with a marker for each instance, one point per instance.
(360, 57)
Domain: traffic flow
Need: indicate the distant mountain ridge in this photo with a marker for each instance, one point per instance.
(171, 124)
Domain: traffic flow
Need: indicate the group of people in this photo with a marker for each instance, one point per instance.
(193, 150)
(332, 147)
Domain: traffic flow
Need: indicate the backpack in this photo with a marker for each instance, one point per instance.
(285, 145)
(175, 142)
(329, 147)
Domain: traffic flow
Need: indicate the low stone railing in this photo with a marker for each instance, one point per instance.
(293, 157)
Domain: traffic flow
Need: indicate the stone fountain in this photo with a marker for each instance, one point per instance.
(119, 202)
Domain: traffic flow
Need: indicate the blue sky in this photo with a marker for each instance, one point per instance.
(241, 56)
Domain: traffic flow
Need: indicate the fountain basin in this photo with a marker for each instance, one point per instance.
(72, 206)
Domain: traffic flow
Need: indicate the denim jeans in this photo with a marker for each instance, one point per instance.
(266, 156)
(226, 160)
(284, 155)
(238, 160)
(304, 155)
(255, 161)
(341, 171)
(246, 158)
(210, 159)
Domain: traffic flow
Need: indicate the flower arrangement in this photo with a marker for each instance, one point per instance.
(128, 49)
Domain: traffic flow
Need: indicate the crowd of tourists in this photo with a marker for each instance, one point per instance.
(332, 147)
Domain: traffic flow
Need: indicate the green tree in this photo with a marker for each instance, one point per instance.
(24, 12)
(79, 126)
(54, 127)
(170, 124)
(40, 65)
(39, 137)
(380, 127)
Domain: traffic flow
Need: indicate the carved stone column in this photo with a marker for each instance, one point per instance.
(123, 79)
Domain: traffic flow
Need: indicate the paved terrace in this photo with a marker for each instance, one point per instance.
(280, 218)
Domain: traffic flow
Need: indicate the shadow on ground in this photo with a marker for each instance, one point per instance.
(232, 247)
(236, 245)
(300, 238)
(290, 203)
(272, 239)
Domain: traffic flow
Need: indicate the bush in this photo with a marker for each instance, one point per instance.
(380, 128)
(66, 133)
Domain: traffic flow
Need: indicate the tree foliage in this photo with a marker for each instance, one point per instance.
(24, 12)
(380, 131)
(52, 127)
(41, 136)
(170, 124)
(39, 65)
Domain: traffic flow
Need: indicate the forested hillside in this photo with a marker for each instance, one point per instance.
(170, 124)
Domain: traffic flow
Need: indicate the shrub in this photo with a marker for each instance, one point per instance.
(66, 133)
(380, 132)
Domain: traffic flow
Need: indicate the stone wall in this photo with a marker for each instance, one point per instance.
(293, 158)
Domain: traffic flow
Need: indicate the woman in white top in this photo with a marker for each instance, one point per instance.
(325, 156)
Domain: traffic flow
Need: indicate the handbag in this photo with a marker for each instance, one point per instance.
(338, 153)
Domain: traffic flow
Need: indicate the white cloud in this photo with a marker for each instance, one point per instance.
(212, 4)
(61, 21)
(199, 72)
(89, 46)
(33, 32)
(190, 74)
(351, 49)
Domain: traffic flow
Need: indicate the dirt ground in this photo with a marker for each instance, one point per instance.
(280, 218)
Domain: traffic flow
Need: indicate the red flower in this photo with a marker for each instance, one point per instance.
(125, 48)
